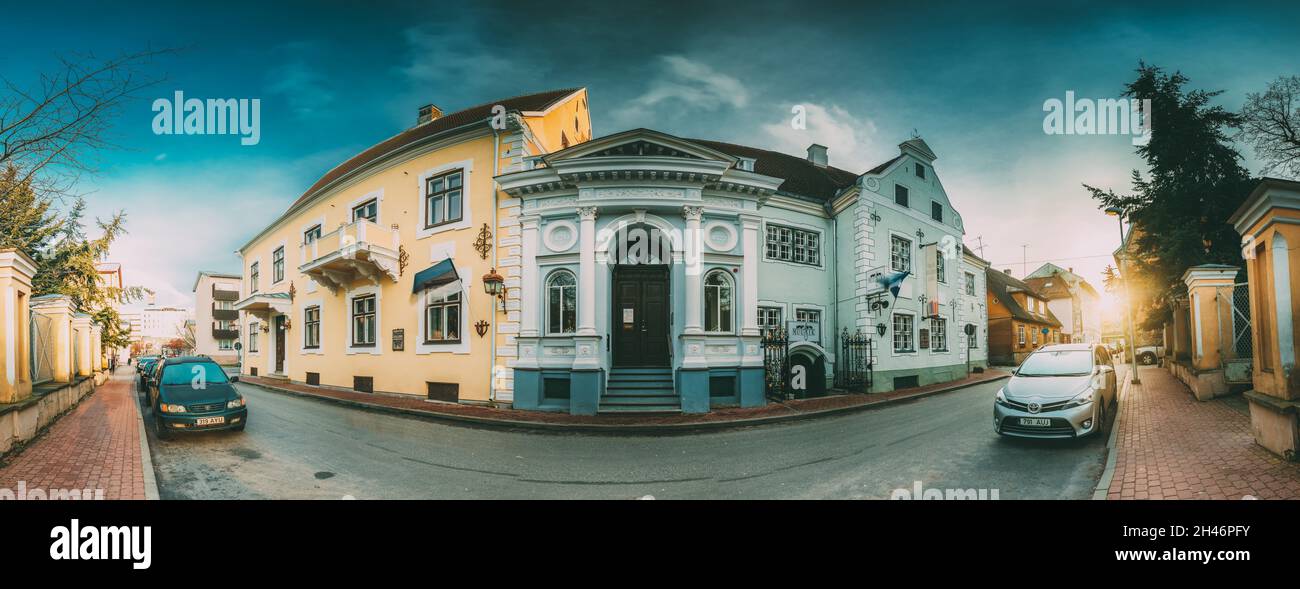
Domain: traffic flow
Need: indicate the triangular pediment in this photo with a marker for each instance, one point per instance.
(639, 143)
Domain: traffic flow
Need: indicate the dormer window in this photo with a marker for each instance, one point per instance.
(746, 164)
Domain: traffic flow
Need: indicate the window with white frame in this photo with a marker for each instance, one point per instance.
(225, 344)
(787, 244)
(900, 253)
(940, 271)
(903, 336)
(252, 337)
(939, 334)
(443, 198)
(311, 327)
(813, 316)
(718, 292)
(1033, 337)
(442, 318)
(363, 320)
(769, 318)
(561, 302)
(970, 284)
(367, 210)
(311, 235)
(277, 265)
(1020, 335)
(253, 277)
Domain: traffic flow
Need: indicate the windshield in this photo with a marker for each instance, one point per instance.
(193, 373)
(1058, 363)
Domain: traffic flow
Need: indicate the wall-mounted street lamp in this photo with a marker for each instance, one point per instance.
(495, 285)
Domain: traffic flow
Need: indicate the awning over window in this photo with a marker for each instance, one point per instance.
(440, 274)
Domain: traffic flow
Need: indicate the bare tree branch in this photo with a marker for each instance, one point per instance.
(1271, 124)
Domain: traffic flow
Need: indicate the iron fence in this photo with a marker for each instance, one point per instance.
(776, 364)
(853, 368)
(1236, 343)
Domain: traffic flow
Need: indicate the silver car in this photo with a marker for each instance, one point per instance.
(1059, 391)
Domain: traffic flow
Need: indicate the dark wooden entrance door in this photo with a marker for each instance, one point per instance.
(640, 321)
(279, 344)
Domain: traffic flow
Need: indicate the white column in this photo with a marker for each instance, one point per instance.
(749, 276)
(694, 269)
(1282, 300)
(587, 271)
(528, 310)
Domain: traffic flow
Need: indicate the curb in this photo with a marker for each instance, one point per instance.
(146, 460)
(611, 429)
(1108, 474)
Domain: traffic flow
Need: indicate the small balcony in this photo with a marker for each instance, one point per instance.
(220, 332)
(224, 295)
(360, 250)
(224, 314)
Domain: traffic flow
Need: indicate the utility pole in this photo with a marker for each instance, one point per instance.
(979, 245)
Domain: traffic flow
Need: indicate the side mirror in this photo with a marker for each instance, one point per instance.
(234, 379)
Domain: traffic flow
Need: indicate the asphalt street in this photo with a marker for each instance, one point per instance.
(302, 448)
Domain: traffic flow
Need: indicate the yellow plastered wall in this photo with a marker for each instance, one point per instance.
(1267, 372)
(407, 371)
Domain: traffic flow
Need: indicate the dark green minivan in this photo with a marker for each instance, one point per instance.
(193, 393)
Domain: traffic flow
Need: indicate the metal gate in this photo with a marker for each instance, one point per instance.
(854, 365)
(1236, 346)
(776, 364)
(43, 337)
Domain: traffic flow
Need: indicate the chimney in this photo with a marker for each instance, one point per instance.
(1007, 271)
(817, 155)
(1071, 270)
(428, 113)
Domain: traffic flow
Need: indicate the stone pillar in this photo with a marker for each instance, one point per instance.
(751, 362)
(528, 377)
(96, 349)
(587, 384)
(693, 374)
(694, 270)
(1210, 316)
(82, 341)
(16, 271)
(59, 309)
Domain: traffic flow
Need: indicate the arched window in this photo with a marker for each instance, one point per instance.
(718, 293)
(561, 302)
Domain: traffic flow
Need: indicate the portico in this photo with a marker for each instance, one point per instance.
(639, 285)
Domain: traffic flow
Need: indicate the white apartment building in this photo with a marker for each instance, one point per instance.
(216, 322)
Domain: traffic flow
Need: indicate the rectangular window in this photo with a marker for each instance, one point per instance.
(813, 316)
(225, 344)
(1020, 335)
(443, 198)
(277, 265)
(311, 327)
(223, 305)
(253, 277)
(367, 210)
(1033, 337)
(363, 320)
(769, 318)
(940, 272)
(442, 319)
(900, 254)
(788, 244)
(311, 235)
(939, 334)
(920, 171)
(903, 336)
(900, 195)
(970, 284)
(936, 211)
(252, 337)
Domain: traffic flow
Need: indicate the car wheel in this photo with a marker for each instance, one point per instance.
(1102, 414)
(1147, 358)
(160, 430)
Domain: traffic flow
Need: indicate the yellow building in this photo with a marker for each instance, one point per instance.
(371, 280)
(1269, 221)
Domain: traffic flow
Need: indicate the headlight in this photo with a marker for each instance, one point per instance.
(169, 408)
(236, 404)
(1002, 397)
(1082, 398)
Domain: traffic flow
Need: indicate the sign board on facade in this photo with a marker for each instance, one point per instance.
(804, 331)
(399, 340)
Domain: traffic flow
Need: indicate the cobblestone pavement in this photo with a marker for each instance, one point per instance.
(1172, 446)
(95, 447)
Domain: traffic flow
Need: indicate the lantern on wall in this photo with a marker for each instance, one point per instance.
(495, 285)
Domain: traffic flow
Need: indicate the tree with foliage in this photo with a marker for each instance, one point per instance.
(1178, 210)
(1271, 124)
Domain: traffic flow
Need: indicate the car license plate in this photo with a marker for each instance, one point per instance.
(1035, 421)
(209, 420)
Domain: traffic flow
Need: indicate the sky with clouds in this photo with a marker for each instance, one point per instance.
(335, 78)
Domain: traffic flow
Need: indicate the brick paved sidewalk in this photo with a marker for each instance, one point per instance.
(796, 409)
(1172, 446)
(94, 446)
